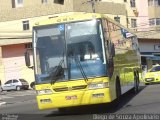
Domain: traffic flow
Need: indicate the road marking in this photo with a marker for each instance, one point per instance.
(2, 103)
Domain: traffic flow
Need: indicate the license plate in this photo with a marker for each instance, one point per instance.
(73, 97)
(98, 95)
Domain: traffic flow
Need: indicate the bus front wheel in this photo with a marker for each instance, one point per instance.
(116, 102)
(118, 90)
(136, 83)
(64, 110)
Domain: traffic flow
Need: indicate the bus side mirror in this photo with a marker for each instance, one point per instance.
(27, 59)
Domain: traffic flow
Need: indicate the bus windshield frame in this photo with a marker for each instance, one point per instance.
(69, 51)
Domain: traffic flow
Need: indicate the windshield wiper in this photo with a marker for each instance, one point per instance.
(56, 72)
(80, 68)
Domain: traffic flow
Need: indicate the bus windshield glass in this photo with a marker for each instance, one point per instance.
(69, 51)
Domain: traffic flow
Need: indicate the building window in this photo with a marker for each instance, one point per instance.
(59, 1)
(157, 21)
(133, 23)
(26, 25)
(158, 2)
(20, 1)
(153, 2)
(133, 3)
(117, 19)
(28, 46)
(44, 1)
(17, 3)
(125, 0)
(150, 3)
(154, 21)
(151, 22)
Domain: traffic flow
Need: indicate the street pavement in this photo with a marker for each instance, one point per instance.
(146, 102)
(12, 97)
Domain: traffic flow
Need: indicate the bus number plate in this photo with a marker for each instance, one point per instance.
(73, 97)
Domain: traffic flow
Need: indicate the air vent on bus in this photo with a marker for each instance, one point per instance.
(79, 87)
(60, 89)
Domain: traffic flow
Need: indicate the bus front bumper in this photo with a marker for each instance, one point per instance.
(74, 98)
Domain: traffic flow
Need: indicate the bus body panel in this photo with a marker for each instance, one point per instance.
(76, 98)
(125, 63)
(69, 97)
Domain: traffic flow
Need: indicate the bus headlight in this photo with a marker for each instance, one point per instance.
(98, 85)
(44, 91)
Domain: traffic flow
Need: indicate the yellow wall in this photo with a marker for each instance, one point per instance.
(1, 67)
(154, 12)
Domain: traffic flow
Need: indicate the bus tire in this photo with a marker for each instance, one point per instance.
(138, 78)
(118, 90)
(63, 110)
(136, 83)
(118, 94)
(146, 83)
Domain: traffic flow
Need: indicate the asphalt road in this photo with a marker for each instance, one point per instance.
(146, 102)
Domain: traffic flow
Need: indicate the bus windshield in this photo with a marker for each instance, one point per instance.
(69, 51)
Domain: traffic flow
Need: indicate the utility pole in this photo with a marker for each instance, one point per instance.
(92, 3)
(93, 6)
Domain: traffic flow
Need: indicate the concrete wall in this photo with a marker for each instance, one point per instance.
(112, 9)
(154, 12)
(14, 63)
(148, 45)
(32, 9)
(143, 19)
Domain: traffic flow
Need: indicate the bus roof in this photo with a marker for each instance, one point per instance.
(68, 18)
(78, 16)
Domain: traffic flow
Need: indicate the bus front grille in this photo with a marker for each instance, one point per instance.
(60, 89)
(79, 87)
(70, 88)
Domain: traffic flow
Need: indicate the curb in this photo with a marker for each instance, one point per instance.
(2, 103)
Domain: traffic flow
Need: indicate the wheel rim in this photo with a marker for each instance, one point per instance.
(18, 88)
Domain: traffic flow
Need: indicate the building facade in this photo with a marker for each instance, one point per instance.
(16, 20)
(18, 16)
(148, 31)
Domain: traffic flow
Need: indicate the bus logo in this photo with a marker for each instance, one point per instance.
(61, 27)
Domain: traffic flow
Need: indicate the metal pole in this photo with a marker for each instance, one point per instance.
(92, 3)
(93, 6)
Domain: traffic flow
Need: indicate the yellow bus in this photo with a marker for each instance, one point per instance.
(83, 59)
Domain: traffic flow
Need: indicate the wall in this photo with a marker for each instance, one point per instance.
(112, 9)
(148, 45)
(143, 20)
(31, 9)
(14, 63)
(154, 11)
